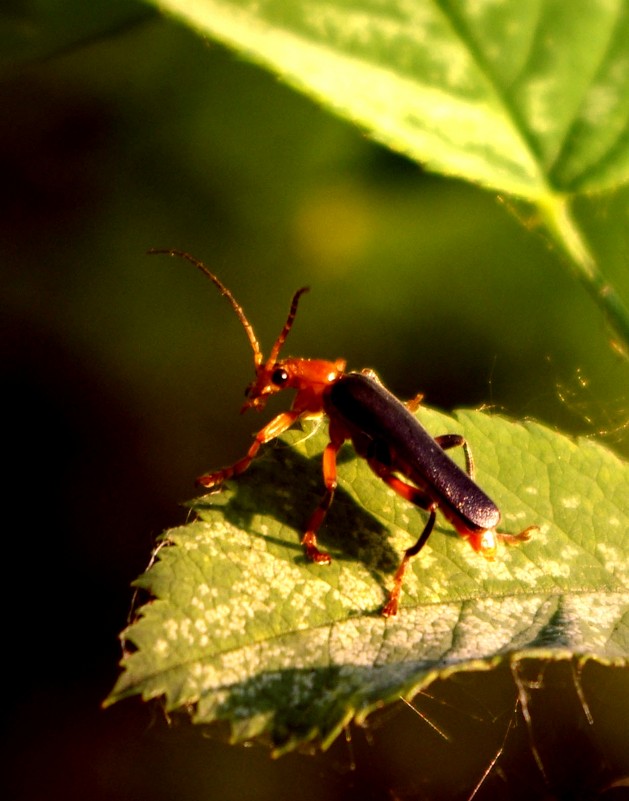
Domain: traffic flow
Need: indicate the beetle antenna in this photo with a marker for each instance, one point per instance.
(275, 350)
(257, 353)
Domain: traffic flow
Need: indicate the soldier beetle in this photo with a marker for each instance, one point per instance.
(383, 431)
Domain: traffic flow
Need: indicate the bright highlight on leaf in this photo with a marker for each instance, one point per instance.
(529, 98)
(243, 629)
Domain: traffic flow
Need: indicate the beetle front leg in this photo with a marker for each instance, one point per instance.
(309, 540)
(271, 430)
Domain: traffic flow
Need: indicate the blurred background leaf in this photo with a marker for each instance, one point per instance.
(122, 377)
(37, 29)
(529, 98)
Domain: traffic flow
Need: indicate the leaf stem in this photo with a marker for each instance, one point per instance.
(559, 221)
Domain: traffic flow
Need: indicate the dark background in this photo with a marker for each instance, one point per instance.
(122, 376)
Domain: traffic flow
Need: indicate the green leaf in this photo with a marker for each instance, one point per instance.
(243, 629)
(530, 98)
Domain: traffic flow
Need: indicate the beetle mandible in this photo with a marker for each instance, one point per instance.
(383, 431)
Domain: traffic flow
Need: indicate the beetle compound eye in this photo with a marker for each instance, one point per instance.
(279, 377)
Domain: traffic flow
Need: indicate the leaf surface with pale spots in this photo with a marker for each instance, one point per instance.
(244, 629)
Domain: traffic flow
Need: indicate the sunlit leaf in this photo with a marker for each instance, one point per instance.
(530, 98)
(242, 628)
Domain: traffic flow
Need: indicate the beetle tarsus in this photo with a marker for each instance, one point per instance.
(523, 536)
(391, 606)
(213, 480)
(313, 554)
(414, 403)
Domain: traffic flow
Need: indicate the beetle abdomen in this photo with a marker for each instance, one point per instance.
(368, 408)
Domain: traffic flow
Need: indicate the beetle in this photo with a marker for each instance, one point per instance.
(383, 430)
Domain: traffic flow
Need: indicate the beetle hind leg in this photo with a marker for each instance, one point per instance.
(447, 441)
(377, 460)
(514, 539)
(391, 606)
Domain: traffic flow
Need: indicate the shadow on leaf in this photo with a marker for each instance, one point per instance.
(319, 701)
(286, 486)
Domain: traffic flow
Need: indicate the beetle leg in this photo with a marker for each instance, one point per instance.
(309, 540)
(391, 606)
(417, 497)
(446, 441)
(271, 430)
(513, 539)
(414, 403)
(485, 541)
(378, 458)
(371, 374)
